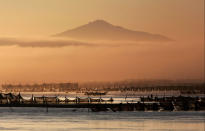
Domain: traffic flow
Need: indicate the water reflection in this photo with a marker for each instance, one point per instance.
(36, 119)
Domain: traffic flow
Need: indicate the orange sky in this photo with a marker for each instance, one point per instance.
(175, 18)
(182, 20)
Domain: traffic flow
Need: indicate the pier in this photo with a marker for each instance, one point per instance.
(149, 103)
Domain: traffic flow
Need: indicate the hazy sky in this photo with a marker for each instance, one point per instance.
(175, 18)
(181, 20)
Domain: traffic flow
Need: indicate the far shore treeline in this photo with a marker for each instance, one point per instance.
(184, 87)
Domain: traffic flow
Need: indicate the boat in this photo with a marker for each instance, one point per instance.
(95, 93)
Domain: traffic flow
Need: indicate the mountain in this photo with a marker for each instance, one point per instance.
(102, 30)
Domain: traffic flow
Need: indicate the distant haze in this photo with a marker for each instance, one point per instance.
(61, 41)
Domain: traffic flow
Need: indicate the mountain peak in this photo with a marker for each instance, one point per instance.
(100, 22)
(102, 30)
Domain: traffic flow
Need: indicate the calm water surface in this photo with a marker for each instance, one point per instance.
(37, 119)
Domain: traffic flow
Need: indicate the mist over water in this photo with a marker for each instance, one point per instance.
(101, 62)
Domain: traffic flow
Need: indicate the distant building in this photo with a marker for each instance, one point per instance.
(46, 87)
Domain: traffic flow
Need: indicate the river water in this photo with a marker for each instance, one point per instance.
(38, 119)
